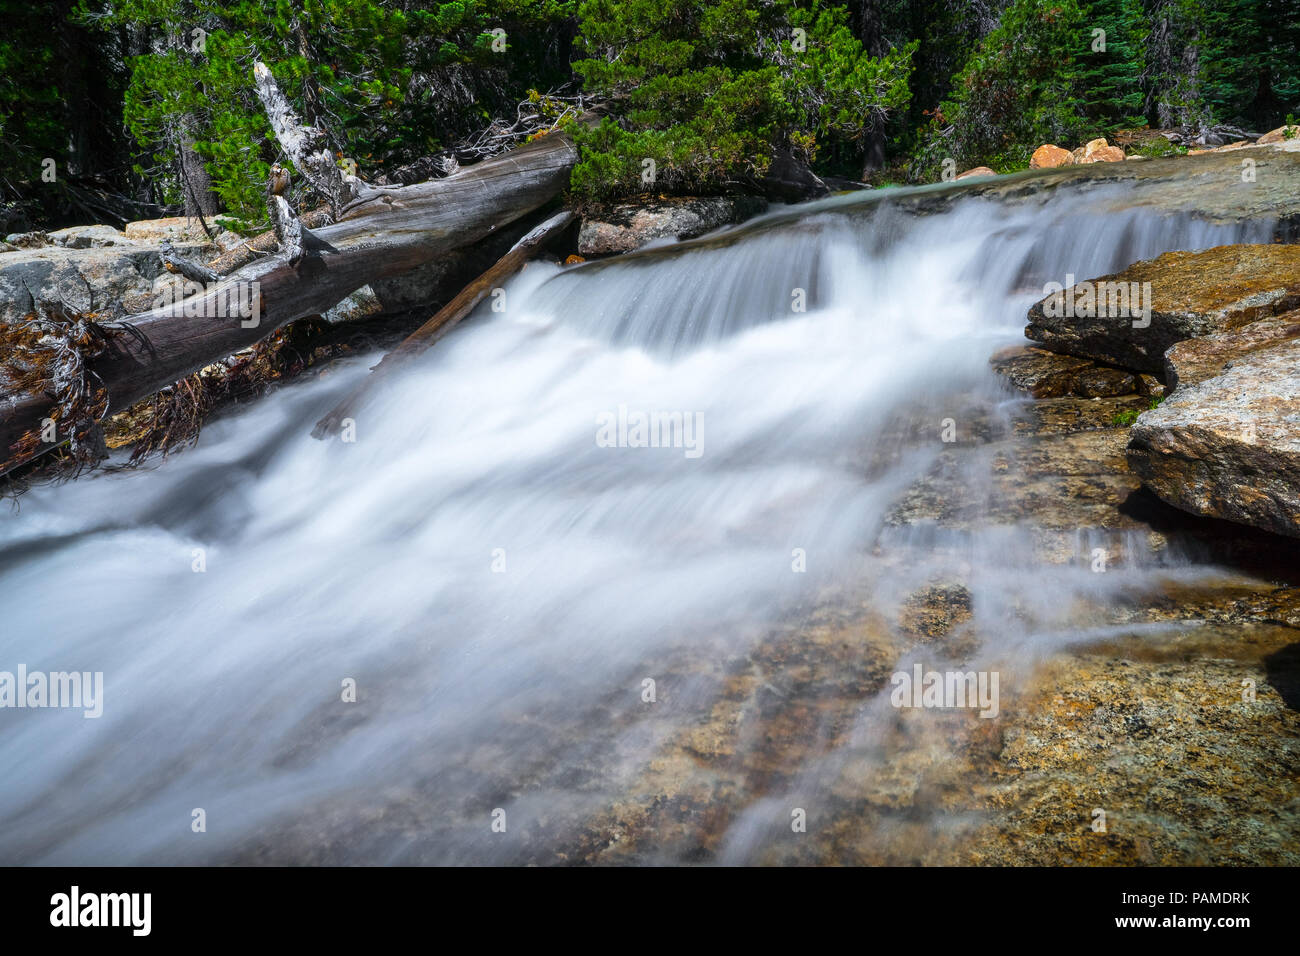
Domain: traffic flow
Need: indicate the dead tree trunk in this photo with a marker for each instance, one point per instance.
(447, 317)
(382, 232)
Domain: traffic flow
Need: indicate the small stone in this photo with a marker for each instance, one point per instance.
(1049, 156)
(1149, 385)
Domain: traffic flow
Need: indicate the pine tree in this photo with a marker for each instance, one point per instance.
(706, 93)
(1109, 67)
(1020, 88)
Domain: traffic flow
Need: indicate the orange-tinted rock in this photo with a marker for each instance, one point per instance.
(1098, 151)
(1278, 135)
(1093, 145)
(1048, 156)
(1107, 154)
(977, 171)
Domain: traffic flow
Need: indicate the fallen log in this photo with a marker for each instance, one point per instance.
(383, 232)
(447, 317)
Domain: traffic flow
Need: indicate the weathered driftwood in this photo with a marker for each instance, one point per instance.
(179, 265)
(382, 232)
(304, 144)
(447, 317)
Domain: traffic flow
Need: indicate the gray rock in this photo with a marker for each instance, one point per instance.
(631, 226)
(1229, 446)
(88, 237)
(362, 304)
(86, 279)
(28, 240)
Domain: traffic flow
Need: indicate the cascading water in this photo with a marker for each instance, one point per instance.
(497, 581)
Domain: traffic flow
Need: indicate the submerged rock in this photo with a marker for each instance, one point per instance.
(1187, 294)
(1229, 446)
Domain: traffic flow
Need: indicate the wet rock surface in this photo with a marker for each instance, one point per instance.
(1192, 294)
(1136, 707)
(1229, 446)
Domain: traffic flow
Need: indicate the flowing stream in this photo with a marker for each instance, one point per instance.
(497, 576)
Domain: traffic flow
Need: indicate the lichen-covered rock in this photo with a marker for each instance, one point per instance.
(629, 227)
(89, 237)
(1041, 373)
(1229, 446)
(1188, 294)
(86, 279)
(1195, 360)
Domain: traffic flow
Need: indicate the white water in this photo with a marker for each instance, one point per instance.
(374, 560)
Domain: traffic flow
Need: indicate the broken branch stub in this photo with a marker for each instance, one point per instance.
(305, 145)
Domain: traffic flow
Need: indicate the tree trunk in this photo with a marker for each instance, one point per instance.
(450, 314)
(383, 232)
(196, 184)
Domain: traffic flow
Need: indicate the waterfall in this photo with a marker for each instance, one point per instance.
(499, 580)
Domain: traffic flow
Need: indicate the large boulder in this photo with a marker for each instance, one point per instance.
(628, 227)
(87, 279)
(1229, 446)
(1188, 293)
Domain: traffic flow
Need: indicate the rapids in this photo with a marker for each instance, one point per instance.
(497, 582)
